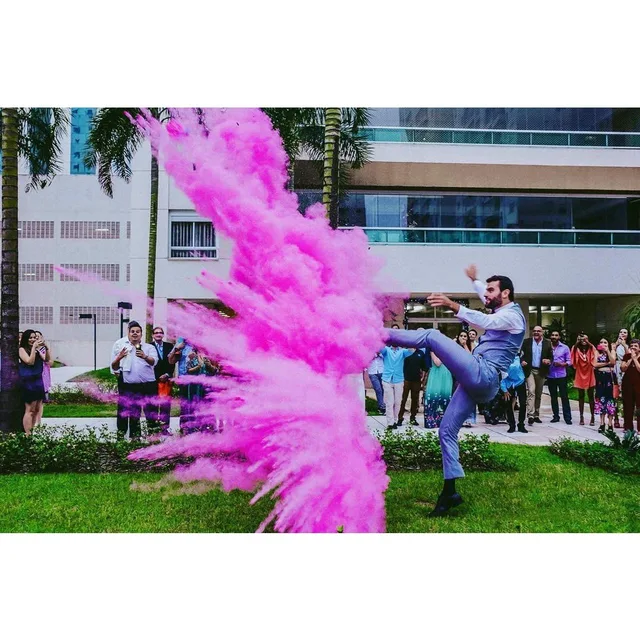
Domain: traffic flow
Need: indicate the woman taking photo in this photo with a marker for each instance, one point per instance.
(45, 352)
(30, 366)
(621, 347)
(463, 340)
(605, 379)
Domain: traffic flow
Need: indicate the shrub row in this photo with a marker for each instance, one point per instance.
(421, 450)
(69, 449)
(619, 456)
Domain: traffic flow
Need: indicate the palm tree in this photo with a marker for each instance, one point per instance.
(331, 164)
(307, 129)
(36, 135)
(112, 143)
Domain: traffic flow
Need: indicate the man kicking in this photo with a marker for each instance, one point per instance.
(477, 373)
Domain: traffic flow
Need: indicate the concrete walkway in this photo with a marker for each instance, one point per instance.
(539, 434)
(60, 376)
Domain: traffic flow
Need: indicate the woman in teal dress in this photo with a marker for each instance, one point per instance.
(437, 393)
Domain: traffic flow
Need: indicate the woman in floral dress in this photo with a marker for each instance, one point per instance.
(437, 393)
(605, 378)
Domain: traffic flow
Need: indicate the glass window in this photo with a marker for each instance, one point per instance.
(191, 236)
(80, 127)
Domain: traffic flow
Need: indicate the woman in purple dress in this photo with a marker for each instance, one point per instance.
(30, 366)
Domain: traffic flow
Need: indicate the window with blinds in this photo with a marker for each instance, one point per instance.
(35, 272)
(104, 315)
(89, 230)
(191, 237)
(36, 316)
(110, 272)
(35, 229)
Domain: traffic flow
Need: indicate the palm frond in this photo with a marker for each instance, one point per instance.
(111, 145)
(41, 132)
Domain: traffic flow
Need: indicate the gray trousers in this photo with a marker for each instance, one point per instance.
(478, 382)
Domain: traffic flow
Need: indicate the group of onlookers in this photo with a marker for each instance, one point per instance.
(146, 374)
(34, 368)
(604, 374)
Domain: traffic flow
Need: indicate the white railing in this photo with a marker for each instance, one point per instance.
(527, 237)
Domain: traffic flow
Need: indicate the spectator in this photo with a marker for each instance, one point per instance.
(631, 385)
(374, 371)
(164, 372)
(463, 340)
(393, 380)
(583, 359)
(437, 393)
(511, 386)
(138, 387)
(536, 360)
(415, 369)
(621, 347)
(473, 338)
(181, 354)
(605, 378)
(30, 367)
(557, 378)
(45, 353)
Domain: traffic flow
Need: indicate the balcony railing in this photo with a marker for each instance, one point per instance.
(613, 139)
(527, 237)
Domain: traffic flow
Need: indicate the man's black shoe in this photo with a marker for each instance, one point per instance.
(511, 430)
(537, 420)
(413, 422)
(555, 419)
(568, 422)
(390, 427)
(399, 423)
(445, 503)
(530, 421)
(521, 429)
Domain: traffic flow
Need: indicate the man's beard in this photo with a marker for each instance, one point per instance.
(492, 304)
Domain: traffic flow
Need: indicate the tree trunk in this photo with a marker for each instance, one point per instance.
(153, 233)
(11, 408)
(331, 167)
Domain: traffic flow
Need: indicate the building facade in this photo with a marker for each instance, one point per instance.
(549, 197)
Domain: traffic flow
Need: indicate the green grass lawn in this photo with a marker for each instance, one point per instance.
(99, 375)
(546, 494)
(106, 410)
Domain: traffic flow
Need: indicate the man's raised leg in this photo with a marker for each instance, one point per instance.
(463, 366)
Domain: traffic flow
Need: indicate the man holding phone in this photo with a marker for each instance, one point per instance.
(138, 388)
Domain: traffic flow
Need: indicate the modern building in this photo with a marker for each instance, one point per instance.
(550, 197)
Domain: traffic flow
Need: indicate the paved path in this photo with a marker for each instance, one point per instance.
(539, 434)
(60, 376)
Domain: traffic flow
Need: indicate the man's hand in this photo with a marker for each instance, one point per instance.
(440, 300)
(122, 353)
(164, 377)
(546, 361)
(141, 354)
(471, 272)
(507, 395)
(523, 363)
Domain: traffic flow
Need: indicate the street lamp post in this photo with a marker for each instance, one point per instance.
(88, 316)
(121, 306)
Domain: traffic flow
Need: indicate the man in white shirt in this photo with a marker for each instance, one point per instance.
(138, 387)
(478, 374)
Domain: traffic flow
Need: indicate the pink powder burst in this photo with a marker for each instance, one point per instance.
(309, 319)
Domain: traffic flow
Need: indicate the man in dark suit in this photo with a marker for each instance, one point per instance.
(164, 371)
(537, 354)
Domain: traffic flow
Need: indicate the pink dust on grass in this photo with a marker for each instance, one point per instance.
(308, 303)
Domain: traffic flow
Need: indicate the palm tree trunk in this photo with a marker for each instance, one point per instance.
(10, 402)
(153, 233)
(331, 167)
